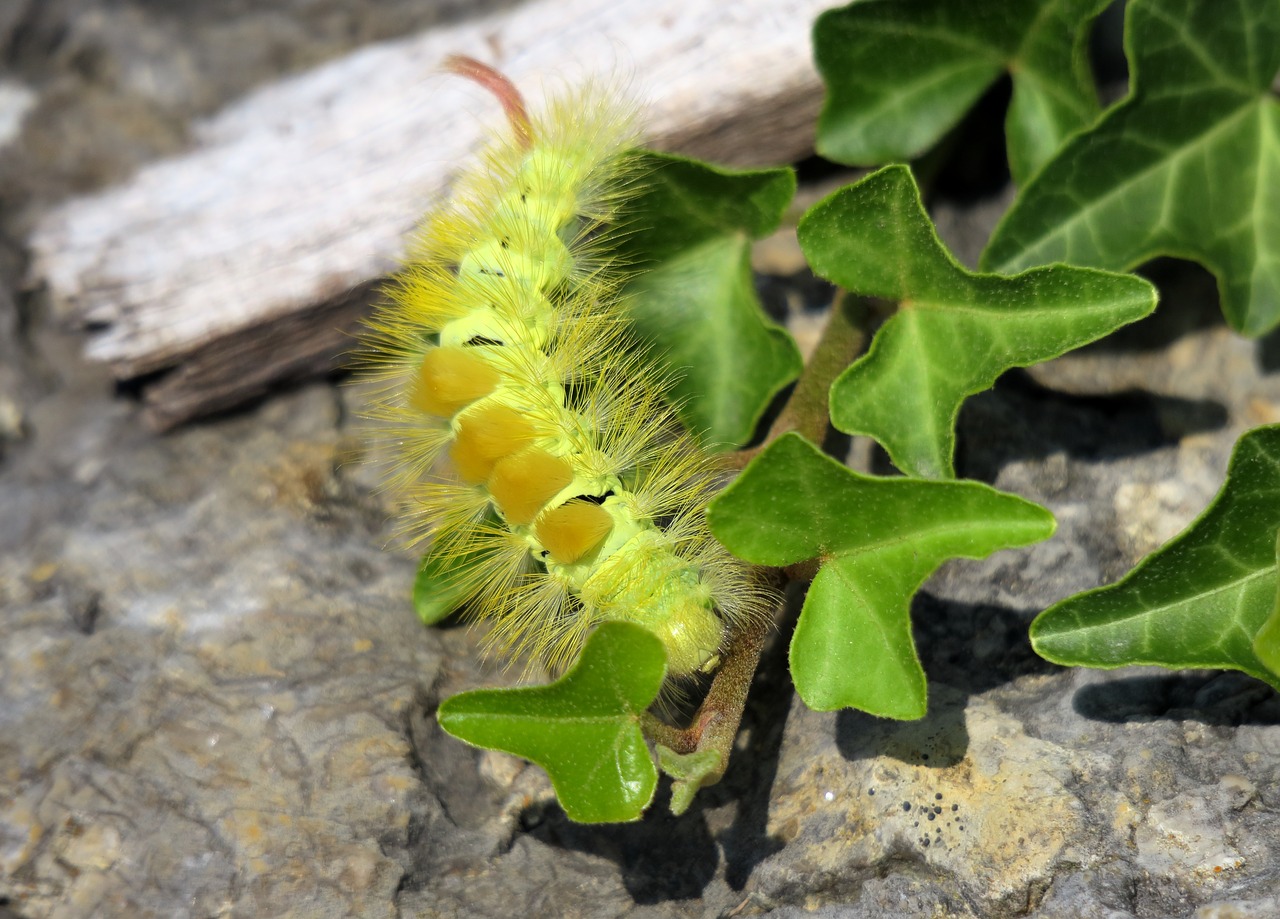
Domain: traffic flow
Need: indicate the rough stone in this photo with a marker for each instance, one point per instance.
(206, 682)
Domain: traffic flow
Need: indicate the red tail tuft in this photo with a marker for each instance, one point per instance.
(500, 86)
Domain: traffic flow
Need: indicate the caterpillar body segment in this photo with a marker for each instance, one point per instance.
(572, 495)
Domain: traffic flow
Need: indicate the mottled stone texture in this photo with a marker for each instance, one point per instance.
(215, 700)
(206, 682)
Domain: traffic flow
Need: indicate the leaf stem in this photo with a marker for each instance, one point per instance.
(715, 725)
(844, 338)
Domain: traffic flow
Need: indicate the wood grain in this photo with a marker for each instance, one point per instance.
(250, 259)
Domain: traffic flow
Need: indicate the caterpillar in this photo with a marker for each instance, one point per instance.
(569, 493)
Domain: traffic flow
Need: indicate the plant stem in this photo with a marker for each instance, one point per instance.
(715, 725)
(843, 339)
(716, 722)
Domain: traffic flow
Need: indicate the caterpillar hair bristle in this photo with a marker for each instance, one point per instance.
(533, 445)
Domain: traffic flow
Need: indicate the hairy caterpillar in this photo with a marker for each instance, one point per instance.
(572, 496)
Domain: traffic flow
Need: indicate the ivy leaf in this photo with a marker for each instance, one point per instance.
(900, 74)
(1188, 165)
(437, 588)
(1202, 599)
(689, 770)
(954, 331)
(1266, 644)
(878, 539)
(689, 233)
(583, 729)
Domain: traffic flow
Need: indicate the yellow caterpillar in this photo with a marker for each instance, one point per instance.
(571, 495)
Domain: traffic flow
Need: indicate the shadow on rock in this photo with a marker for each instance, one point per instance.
(938, 740)
(1269, 353)
(965, 649)
(1209, 697)
(661, 857)
(1021, 420)
(973, 647)
(1188, 303)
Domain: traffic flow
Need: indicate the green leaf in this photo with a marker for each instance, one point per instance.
(1188, 165)
(1201, 600)
(878, 539)
(689, 770)
(583, 729)
(1266, 644)
(900, 74)
(437, 589)
(689, 233)
(449, 575)
(954, 332)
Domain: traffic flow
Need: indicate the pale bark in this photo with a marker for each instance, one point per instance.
(251, 258)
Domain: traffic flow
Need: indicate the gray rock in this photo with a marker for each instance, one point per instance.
(207, 673)
(217, 701)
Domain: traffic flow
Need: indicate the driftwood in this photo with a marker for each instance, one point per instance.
(250, 259)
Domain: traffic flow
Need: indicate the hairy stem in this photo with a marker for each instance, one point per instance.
(843, 339)
(716, 723)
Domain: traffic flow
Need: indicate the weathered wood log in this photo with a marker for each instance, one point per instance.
(251, 258)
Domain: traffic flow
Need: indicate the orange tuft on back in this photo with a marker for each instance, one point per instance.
(449, 379)
(522, 483)
(573, 529)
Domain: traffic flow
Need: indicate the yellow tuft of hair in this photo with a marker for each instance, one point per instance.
(450, 379)
(522, 484)
(573, 529)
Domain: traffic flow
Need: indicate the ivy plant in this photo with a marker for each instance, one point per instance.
(900, 74)
(1206, 599)
(1187, 164)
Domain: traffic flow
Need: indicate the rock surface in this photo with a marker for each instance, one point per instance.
(215, 700)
